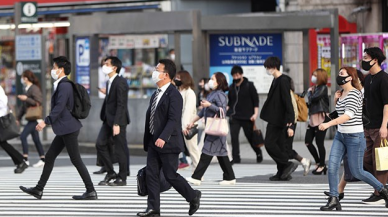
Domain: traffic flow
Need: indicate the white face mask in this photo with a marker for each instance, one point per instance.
(206, 86)
(155, 76)
(54, 74)
(212, 85)
(269, 71)
(314, 79)
(172, 56)
(107, 70)
(22, 81)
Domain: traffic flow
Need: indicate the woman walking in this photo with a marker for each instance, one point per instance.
(31, 98)
(318, 102)
(214, 145)
(349, 138)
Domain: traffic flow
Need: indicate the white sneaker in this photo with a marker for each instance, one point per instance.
(228, 182)
(27, 162)
(40, 163)
(306, 163)
(193, 181)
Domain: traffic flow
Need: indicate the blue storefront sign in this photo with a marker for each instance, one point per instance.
(83, 62)
(247, 50)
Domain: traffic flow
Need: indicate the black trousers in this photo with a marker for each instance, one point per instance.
(121, 149)
(17, 158)
(235, 126)
(311, 133)
(275, 145)
(292, 154)
(204, 163)
(70, 141)
(167, 162)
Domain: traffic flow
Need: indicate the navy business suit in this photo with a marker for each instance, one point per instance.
(167, 126)
(66, 128)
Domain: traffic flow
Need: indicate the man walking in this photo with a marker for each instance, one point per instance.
(163, 140)
(115, 117)
(279, 113)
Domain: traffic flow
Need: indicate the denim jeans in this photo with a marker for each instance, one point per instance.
(352, 144)
(30, 129)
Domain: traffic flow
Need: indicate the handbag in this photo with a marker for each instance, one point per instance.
(192, 132)
(142, 189)
(34, 112)
(257, 137)
(333, 115)
(217, 126)
(8, 127)
(348, 175)
(381, 156)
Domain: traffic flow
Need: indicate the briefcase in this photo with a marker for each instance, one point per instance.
(142, 183)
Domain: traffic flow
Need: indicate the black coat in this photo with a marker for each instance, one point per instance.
(318, 101)
(242, 100)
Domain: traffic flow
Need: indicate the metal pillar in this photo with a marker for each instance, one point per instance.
(198, 48)
(334, 49)
(178, 53)
(306, 60)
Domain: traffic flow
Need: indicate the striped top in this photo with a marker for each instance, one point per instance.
(351, 105)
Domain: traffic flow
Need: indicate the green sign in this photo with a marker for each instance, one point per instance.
(29, 12)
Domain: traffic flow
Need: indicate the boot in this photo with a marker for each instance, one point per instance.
(332, 203)
(384, 194)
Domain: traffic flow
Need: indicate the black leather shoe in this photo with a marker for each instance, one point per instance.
(107, 178)
(194, 204)
(149, 212)
(87, 196)
(289, 170)
(277, 178)
(32, 191)
(118, 182)
(332, 203)
(101, 171)
(340, 197)
(21, 167)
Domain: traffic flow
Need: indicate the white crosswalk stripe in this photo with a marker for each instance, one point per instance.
(243, 199)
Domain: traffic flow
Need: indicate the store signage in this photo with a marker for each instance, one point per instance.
(29, 13)
(137, 41)
(83, 61)
(28, 47)
(247, 50)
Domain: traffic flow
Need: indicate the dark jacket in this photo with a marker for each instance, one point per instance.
(167, 123)
(60, 118)
(242, 100)
(278, 109)
(318, 101)
(34, 96)
(115, 107)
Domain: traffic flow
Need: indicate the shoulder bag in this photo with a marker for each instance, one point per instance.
(217, 126)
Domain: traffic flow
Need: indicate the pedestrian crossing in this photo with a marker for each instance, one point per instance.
(243, 199)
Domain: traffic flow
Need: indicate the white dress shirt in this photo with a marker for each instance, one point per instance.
(3, 102)
(110, 82)
(162, 90)
(57, 82)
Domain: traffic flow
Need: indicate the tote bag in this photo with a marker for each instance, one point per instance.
(217, 126)
(381, 156)
(34, 113)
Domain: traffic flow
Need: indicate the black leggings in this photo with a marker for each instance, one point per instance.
(319, 135)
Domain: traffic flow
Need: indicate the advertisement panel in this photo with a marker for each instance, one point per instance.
(83, 62)
(247, 50)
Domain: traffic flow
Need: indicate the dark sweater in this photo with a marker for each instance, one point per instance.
(242, 100)
(278, 109)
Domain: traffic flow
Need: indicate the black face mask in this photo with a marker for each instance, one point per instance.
(236, 80)
(177, 82)
(366, 65)
(342, 80)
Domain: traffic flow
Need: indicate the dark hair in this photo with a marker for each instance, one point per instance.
(353, 73)
(361, 77)
(171, 50)
(221, 81)
(236, 69)
(375, 53)
(321, 76)
(114, 61)
(63, 62)
(31, 77)
(272, 62)
(186, 79)
(169, 67)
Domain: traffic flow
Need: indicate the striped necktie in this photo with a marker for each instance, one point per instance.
(153, 108)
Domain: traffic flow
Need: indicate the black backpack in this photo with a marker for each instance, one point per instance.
(82, 103)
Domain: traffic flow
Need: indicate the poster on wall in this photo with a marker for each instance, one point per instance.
(324, 55)
(82, 65)
(247, 50)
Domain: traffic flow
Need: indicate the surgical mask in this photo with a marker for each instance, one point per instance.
(342, 80)
(236, 81)
(155, 77)
(22, 81)
(54, 74)
(207, 88)
(177, 82)
(107, 70)
(212, 85)
(366, 65)
(172, 56)
(269, 71)
(314, 79)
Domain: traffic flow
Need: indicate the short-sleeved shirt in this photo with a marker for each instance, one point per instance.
(376, 97)
(351, 105)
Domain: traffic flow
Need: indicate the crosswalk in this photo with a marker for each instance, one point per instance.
(243, 199)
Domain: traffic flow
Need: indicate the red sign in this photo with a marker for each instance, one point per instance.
(12, 2)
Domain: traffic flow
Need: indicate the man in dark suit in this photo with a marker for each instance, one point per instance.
(66, 128)
(163, 140)
(115, 117)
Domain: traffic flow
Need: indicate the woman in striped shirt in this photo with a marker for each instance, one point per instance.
(349, 137)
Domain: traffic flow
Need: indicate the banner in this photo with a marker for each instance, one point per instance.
(83, 62)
